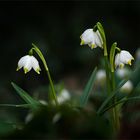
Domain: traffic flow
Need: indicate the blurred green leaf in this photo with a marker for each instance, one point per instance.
(119, 102)
(111, 97)
(25, 96)
(12, 105)
(6, 128)
(88, 88)
(135, 76)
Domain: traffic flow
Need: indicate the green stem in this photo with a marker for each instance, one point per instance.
(36, 49)
(110, 82)
(112, 112)
(105, 49)
(52, 87)
(115, 109)
(107, 74)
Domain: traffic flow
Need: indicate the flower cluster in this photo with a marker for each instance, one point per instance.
(93, 39)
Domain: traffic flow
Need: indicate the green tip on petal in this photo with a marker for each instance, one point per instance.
(129, 62)
(25, 70)
(133, 58)
(17, 69)
(92, 46)
(82, 42)
(38, 70)
(121, 66)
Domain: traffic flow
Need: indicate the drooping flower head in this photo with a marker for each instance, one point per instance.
(91, 38)
(28, 62)
(122, 58)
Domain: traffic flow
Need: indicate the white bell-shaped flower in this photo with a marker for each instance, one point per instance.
(122, 58)
(91, 38)
(100, 78)
(101, 75)
(127, 87)
(63, 96)
(28, 62)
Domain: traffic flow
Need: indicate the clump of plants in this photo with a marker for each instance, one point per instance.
(96, 113)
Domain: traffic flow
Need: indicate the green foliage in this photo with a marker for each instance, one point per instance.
(6, 128)
(113, 94)
(88, 88)
(71, 124)
(26, 97)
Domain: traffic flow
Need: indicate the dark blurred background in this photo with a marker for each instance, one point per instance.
(55, 27)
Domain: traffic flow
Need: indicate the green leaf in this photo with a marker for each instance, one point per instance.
(25, 96)
(135, 76)
(18, 106)
(88, 88)
(119, 102)
(110, 97)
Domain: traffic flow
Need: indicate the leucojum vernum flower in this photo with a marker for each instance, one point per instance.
(96, 38)
(92, 38)
(28, 62)
(123, 57)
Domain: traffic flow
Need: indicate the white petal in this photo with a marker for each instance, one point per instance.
(28, 64)
(117, 59)
(92, 44)
(98, 39)
(88, 36)
(35, 64)
(125, 57)
(22, 61)
(63, 96)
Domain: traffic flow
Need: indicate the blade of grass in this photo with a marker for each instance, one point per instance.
(110, 97)
(12, 105)
(88, 88)
(119, 102)
(25, 96)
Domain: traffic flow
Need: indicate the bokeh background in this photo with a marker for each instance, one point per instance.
(55, 27)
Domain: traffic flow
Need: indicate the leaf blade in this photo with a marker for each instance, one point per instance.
(25, 96)
(88, 87)
(112, 95)
(18, 106)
